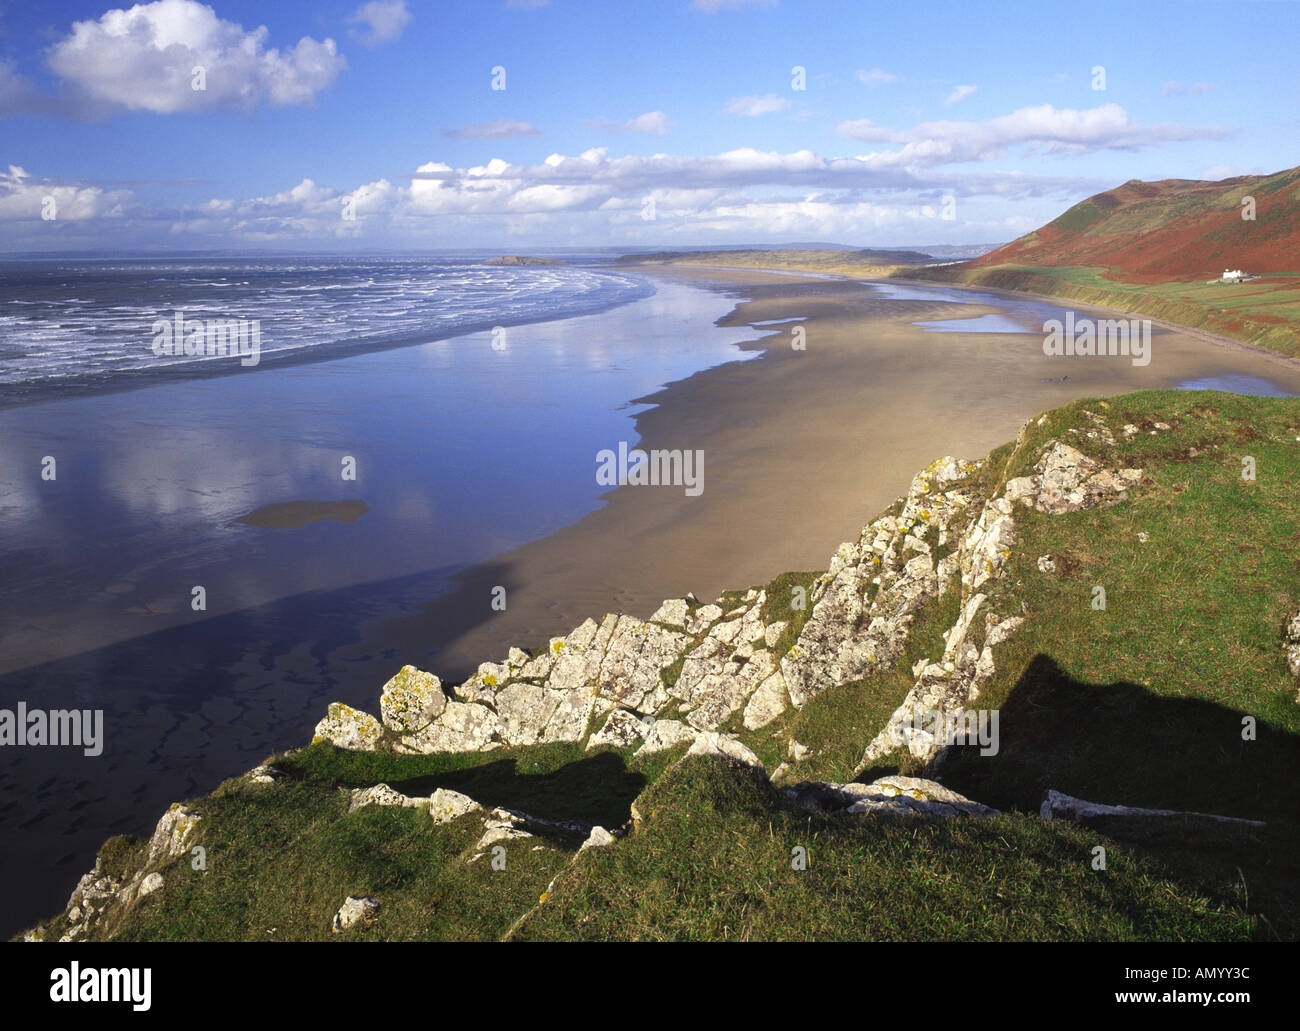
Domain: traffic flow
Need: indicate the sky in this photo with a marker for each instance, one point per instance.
(526, 124)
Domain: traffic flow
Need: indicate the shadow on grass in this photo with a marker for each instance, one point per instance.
(599, 789)
(1120, 744)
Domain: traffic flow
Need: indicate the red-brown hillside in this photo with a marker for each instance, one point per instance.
(1173, 229)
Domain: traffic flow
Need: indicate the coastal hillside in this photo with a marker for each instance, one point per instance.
(1049, 694)
(1160, 249)
(1143, 232)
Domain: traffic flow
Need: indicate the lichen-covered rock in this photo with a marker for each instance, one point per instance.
(264, 774)
(411, 700)
(500, 825)
(633, 657)
(571, 717)
(703, 618)
(1069, 481)
(382, 794)
(171, 833)
(524, 711)
(356, 910)
(622, 729)
(1293, 645)
(711, 743)
(574, 662)
(673, 612)
(460, 727)
(767, 702)
(346, 727)
(446, 805)
(889, 795)
(716, 695)
(662, 735)
(151, 883)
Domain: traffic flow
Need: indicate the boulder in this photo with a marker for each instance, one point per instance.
(411, 700)
(346, 727)
(598, 838)
(1060, 806)
(357, 909)
(170, 834)
(673, 612)
(727, 747)
(460, 727)
(446, 805)
(891, 795)
(382, 794)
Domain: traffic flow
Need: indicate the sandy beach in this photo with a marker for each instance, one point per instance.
(801, 449)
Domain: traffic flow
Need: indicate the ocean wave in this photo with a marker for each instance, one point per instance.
(90, 326)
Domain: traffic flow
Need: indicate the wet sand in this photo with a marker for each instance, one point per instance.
(801, 449)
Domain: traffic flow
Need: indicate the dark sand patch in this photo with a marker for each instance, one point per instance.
(294, 515)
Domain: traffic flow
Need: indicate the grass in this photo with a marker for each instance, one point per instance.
(714, 860)
(1264, 312)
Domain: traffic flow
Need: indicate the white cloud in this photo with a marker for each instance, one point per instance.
(24, 198)
(144, 58)
(1067, 130)
(504, 130)
(877, 76)
(752, 107)
(384, 21)
(656, 123)
(959, 94)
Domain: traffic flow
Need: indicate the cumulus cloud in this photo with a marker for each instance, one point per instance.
(144, 59)
(26, 198)
(959, 94)
(1044, 127)
(655, 123)
(503, 130)
(382, 21)
(877, 76)
(752, 107)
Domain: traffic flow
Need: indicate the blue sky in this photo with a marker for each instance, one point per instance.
(339, 125)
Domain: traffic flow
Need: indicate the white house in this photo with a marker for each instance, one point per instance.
(1233, 275)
